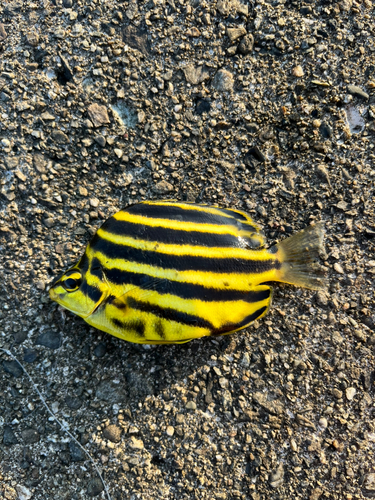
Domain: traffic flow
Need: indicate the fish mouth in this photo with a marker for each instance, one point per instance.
(53, 295)
(56, 297)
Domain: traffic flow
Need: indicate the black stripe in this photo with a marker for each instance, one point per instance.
(91, 292)
(173, 212)
(57, 279)
(70, 272)
(182, 289)
(169, 314)
(114, 301)
(181, 262)
(232, 327)
(159, 329)
(166, 235)
(136, 326)
(235, 214)
(243, 223)
(96, 268)
(83, 263)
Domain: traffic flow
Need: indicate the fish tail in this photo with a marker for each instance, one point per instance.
(299, 254)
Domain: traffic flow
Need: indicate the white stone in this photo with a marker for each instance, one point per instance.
(350, 393)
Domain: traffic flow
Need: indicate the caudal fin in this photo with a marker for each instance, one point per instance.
(299, 254)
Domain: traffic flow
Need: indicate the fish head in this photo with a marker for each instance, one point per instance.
(79, 293)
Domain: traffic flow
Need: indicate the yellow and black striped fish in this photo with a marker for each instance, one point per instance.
(163, 272)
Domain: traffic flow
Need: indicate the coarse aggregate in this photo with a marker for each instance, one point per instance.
(264, 106)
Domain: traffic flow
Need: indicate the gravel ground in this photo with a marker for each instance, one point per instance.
(267, 107)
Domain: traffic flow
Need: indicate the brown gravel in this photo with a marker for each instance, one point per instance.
(266, 107)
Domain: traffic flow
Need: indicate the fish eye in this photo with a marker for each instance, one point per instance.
(71, 284)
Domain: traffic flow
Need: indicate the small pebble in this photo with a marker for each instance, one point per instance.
(98, 114)
(99, 139)
(95, 487)
(3, 33)
(337, 267)
(76, 452)
(50, 339)
(293, 445)
(350, 393)
(163, 187)
(180, 418)
(234, 33)
(298, 71)
(323, 423)
(100, 350)
(277, 476)
(9, 437)
(94, 202)
(113, 433)
(246, 45)
(337, 393)
(170, 430)
(357, 91)
(23, 492)
(223, 382)
(223, 81)
(30, 436)
(136, 444)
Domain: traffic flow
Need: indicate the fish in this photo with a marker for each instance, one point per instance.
(161, 272)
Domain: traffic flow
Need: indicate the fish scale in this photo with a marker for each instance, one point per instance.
(168, 272)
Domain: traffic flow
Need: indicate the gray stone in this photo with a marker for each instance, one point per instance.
(13, 368)
(136, 38)
(132, 10)
(163, 187)
(30, 436)
(223, 81)
(370, 482)
(49, 339)
(76, 452)
(47, 116)
(40, 163)
(9, 437)
(273, 407)
(23, 492)
(246, 45)
(235, 33)
(32, 38)
(95, 487)
(30, 355)
(191, 405)
(112, 393)
(195, 74)
(100, 350)
(101, 140)
(73, 402)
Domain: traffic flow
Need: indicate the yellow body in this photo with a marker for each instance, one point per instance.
(163, 272)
